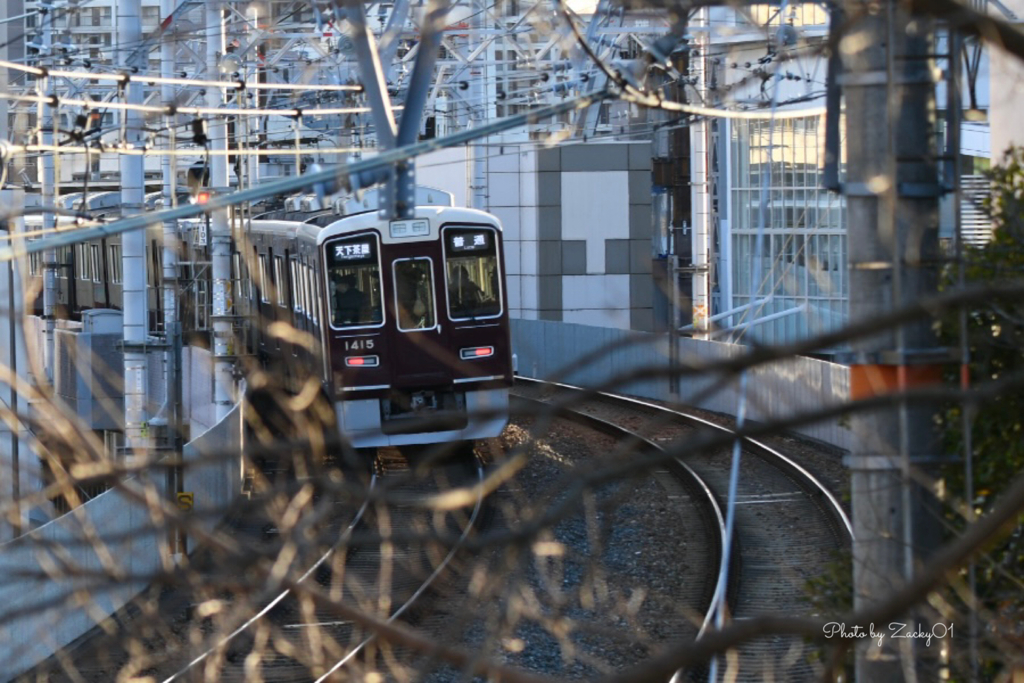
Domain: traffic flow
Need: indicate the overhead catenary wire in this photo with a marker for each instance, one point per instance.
(170, 110)
(125, 78)
(292, 184)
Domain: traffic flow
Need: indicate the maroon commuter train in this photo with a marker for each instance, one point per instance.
(409, 320)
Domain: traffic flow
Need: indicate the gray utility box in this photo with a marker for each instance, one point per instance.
(89, 368)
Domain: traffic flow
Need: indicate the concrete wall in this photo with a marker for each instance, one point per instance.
(15, 444)
(1007, 91)
(197, 407)
(41, 570)
(551, 350)
(578, 230)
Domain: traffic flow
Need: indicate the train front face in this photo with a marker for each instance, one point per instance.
(418, 339)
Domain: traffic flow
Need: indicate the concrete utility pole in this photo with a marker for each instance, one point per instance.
(480, 104)
(44, 125)
(169, 260)
(220, 228)
(892, 193)
(700, 186)
(133, 245)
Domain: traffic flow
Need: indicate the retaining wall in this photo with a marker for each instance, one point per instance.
(42, 569)
(553, 350)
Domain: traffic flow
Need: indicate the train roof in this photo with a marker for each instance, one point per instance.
(287, 229)
(436, 215)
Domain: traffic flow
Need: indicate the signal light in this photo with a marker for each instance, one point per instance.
(202, 197)
(362, 361)
(476, 352)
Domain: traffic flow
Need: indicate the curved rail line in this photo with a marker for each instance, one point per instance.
(426, 583)
(685, 475)
(276, 600)
(818, 493)
(814, 487)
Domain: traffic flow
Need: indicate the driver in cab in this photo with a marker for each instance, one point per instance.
(348, 300)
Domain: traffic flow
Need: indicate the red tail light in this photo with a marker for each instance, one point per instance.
(362, 361)
(476, 352)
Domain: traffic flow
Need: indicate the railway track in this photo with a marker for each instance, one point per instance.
(680, 482)
(384, 573)
(380, 559)
(786, 521)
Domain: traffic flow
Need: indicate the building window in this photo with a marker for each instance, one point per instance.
(800, 260)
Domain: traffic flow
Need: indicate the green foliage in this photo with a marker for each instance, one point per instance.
(995, 337)
(832, 592)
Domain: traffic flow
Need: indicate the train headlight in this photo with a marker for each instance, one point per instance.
(476, 352)
(362, 361)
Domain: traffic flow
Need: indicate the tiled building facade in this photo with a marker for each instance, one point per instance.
(577, 231)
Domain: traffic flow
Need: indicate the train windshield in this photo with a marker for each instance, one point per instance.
(353, 277)
(414, 294)
(471, 266)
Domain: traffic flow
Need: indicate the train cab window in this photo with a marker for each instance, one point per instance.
(353, 282)
(471, 266)
(414, 294)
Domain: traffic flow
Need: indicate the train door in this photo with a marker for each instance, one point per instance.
(421, 356)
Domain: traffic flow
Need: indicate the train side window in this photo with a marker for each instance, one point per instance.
(114, 253)
(279, 281)
(472, 269)
(414, 294)
(236, 275)
(293, 266)
(83, 271)
(264, 280)
(306, 293)
(97, 270)
(353, 282)
(314, 298)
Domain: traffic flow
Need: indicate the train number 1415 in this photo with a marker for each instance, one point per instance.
(358, 344)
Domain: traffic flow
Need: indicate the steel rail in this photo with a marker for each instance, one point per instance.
(817, 490)
(263, 612)
(426, 583)
(683, 472)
